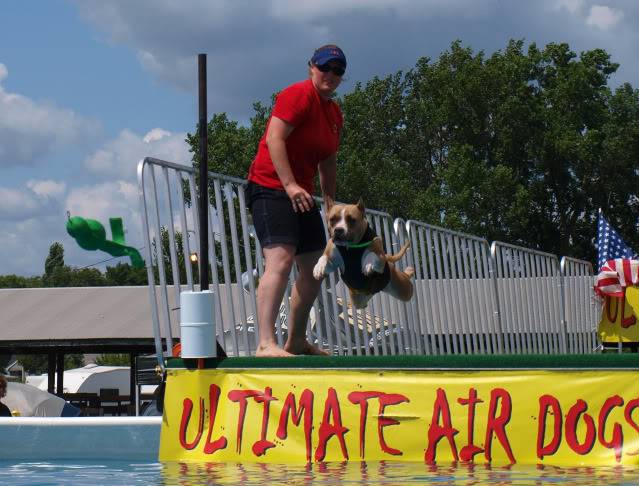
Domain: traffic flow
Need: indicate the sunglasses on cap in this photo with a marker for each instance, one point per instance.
(336, 70)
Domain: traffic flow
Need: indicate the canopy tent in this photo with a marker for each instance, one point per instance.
(90, 379)
(30, 401)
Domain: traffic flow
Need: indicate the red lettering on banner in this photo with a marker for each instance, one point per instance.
(470, 450)
(385, 399)
(306, 408)
(362, 398)
(241, 396)
(624, 321)
(328, 430)
(187, 408)
(608, 306)
(261, 446)
(548, 402)
(572, 419)
(496, 425)
(627, 413)
(214, 400)
(437, 432)
(617, 433)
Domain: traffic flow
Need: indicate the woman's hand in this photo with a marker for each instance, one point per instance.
(302, 201)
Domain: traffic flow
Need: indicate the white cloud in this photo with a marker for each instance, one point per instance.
(103, 201)
(17, 205)
(604, 17)
(47, 188)
(295, 10)
(118, 158)
(571, 6)
(32, 217)
(36, 199)
(27, 242)
(30, 130)
(256, 48)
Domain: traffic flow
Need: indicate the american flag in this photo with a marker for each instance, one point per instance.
(610, 245)
(618, 263)
(616, 275)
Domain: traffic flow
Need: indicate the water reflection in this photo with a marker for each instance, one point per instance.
(391, 473)
(115, 473)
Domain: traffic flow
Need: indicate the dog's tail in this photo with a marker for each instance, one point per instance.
(397, 256)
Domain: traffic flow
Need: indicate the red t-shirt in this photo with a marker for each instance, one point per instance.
(317, 123)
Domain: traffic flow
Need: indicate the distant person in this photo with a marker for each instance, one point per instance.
(4, 410)
(301, 139)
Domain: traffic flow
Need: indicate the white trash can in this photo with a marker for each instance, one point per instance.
(197, 327)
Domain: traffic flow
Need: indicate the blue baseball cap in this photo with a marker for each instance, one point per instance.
(328, 53)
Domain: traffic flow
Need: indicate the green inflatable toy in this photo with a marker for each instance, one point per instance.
(90, 235)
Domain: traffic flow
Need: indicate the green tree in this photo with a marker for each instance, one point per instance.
(39, 363)
(113, 360)
(498, 145)
(125, 274)
(54, 263)
(57, 274)
(17, 282)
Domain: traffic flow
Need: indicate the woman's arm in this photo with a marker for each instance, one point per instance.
(328, 176)
(278, 132)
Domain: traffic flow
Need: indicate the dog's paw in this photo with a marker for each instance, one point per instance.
(319, 271)
(368, 269)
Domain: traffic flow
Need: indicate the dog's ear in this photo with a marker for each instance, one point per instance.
(360, 205)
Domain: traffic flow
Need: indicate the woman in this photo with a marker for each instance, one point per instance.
(301, 139)
(4, 410)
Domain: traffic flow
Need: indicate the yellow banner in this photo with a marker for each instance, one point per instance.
(619, 318)
(500, 417)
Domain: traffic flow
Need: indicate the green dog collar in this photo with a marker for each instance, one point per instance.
(356, 245)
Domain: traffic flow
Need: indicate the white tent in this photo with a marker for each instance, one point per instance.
(90, 379)
(30, 401)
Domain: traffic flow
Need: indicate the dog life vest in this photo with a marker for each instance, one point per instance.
(353, 275)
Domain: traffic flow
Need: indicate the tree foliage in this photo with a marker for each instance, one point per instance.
(58, 274)
(113, 360)
(39, 363)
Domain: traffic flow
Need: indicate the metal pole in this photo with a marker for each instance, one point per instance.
(203, 196)
(204, 185)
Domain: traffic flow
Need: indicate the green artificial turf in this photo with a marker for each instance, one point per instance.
(458, 362)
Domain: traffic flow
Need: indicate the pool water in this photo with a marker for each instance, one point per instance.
(352, 473)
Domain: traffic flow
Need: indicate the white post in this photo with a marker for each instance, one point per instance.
(197, 326)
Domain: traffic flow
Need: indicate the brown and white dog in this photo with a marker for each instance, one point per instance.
(358, 253)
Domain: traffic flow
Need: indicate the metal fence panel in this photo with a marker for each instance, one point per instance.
(529, 283)
(454, 294)
(581, 308)
(470, 298)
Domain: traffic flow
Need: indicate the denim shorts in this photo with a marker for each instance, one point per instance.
(276, 222)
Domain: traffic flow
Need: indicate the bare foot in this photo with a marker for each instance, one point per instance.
(305, 348)
(271, 351)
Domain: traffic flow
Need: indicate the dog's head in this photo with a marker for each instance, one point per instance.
(347, 222)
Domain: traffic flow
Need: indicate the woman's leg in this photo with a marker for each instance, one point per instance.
(278, 261)
(303, 295)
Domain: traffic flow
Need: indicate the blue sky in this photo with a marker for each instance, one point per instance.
(89, 87)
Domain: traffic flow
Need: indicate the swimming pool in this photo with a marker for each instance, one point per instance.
(93, 473)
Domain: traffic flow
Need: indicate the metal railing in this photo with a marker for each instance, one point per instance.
(470, 297)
